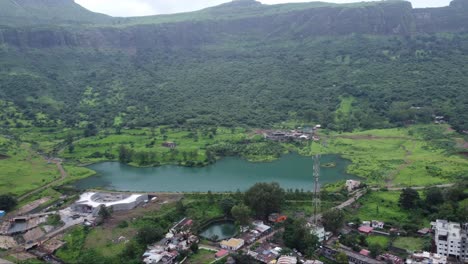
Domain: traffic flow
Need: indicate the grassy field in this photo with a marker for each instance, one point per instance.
(189, 143)
(107, 239)
(203, 256)
(24, 170)
(383, 206)
(413, 156)
(383, 241)
(394, 157)
(410, 243)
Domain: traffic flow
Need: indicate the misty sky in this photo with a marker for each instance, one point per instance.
(153, 7)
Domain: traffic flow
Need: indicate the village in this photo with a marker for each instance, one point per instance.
(33, 233)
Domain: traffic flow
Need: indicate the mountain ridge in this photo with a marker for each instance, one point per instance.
(258, 67)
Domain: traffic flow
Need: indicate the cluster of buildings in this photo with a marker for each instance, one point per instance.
(167, 250)
(258, 229)
(265, 252)
(367, 227)
(296, 134)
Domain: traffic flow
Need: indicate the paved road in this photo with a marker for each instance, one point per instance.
(418, 187)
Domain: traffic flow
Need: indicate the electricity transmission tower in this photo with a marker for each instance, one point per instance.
(316, 199)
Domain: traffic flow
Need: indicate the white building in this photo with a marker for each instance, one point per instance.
(319, 231)
(426, 258)
(352, 185)
(232, 244)
(260, 226)
(377, 224)
(90, 202)
(287, 260)
(451, 239)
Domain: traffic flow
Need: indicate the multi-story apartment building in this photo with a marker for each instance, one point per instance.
(451, 239)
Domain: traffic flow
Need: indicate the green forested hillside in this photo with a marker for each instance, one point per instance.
(242, 71)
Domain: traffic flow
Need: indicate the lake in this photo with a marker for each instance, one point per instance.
(228, 174)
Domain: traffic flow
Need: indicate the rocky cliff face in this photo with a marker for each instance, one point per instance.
(388, 18)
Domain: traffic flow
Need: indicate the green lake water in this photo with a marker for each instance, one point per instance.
(222, 230)
(228, 174)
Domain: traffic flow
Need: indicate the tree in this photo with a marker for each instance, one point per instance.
(341, 258)
(180, 207)
(125, 154)
(210, 197)
(333, 220)
(241, 213)
(71, 148)
(297, 235)
(375, 250)
(264, 198)
(7, 202)
(408, 198)
(90, 130)
(433, 196)
(194, 247)
(226, 205)
(105, 212)
(149, 234)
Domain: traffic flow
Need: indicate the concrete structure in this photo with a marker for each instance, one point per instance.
(451, 239)
(221, 253)
(352, 185)
(261, 227)
(377, 224)
(427, 258)
(319, 231)
(287, 260)
(232, 244)
(365, 229)
(90, 202)
(313, 262)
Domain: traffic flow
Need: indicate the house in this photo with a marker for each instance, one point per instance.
(261, 227)
(377, 224)
(169, 144)
(365, 229)
(424, 231)
(313, 262)
(265, 252)
(391, 259)
(319, 231)
(287, 260)
(232, 244)
(426, 258)
(277, 218)
(221, 253)
(352, 185)
(364, 252)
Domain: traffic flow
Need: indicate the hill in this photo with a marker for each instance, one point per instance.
(46, 12)
(241, 63)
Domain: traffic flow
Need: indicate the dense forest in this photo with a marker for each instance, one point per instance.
(234, 75)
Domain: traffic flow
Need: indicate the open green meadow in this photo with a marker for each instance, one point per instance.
(383, 206)
(23, 170)
(399, 156)
(203, 256)
(383, 241)
(411, 243)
